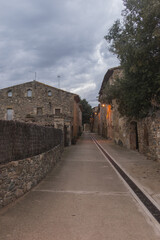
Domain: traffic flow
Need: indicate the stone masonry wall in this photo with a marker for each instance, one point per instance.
(43, 97)
(18, 177)
(20, 140)
(141, 135)
(149, 137)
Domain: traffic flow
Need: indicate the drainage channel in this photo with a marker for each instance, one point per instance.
(143, 198)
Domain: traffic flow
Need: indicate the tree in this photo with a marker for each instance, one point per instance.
(136, 42)
(86, 111)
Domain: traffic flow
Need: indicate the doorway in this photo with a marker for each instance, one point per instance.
(134, 136)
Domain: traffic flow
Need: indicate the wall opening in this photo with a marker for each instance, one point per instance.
(9, 114)
(10, 93)
(49, 93)
(29, 93)
(57, 111)
(134, 136)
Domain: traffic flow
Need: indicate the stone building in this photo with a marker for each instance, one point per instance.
(107, 118)
(42, 104)
(95, 120)
(142, 135)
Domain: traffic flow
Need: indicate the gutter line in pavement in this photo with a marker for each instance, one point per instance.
(146, 201)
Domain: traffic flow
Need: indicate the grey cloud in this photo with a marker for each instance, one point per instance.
(56, 37)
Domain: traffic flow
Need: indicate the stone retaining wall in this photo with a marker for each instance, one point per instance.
(18, 177)
(20, 140)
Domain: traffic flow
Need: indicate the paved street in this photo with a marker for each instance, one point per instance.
(83, 198)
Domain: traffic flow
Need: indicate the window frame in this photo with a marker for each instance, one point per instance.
(8, 115)
(49, 93)
(60, 111)
(28, 93)
(10, 92)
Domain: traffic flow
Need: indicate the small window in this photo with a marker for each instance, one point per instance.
(57, 111)
(10, 93)
(9, 114)
(49, 93)
(39, 111)
(29, 93)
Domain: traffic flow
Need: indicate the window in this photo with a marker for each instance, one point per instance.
(49, 93)
(57, 111)
(39, 111)
(9, 114)
(10, 93)
(29, 93)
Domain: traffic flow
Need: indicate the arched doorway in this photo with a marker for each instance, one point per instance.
(133, 136)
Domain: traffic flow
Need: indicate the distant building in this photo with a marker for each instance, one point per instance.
(107, 112)
(95, 120)
(43, 104)
(142, 135)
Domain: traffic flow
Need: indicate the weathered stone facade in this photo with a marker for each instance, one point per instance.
(149, 136)
(142, 135)
(18, 177)
(95, 127)
(108, 125)
(43, 104)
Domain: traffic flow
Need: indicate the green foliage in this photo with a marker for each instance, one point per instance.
(136, 42)
(86, 111)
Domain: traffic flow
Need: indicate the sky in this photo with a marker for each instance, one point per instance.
(57, 42)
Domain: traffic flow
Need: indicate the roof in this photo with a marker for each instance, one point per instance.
(55, 88)
(107, 76)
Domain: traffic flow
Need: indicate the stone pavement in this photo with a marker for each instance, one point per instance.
(146, 172)
(83, 198)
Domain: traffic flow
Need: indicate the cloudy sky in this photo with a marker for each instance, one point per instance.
(54, 38)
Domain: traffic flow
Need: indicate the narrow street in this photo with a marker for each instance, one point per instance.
(83, 198)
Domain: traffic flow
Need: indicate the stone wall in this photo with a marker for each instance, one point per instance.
(43, 100)
(27, 153)
(20, 140)
(18, 177)
(42, 104)
(149, 137)
(95, 120)
(140, 135)
(121, 128)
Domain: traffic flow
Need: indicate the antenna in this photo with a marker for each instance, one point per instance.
(35, 74)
